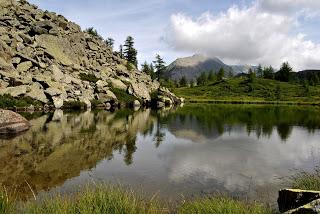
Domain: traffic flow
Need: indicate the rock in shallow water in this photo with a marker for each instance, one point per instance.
(12, 123)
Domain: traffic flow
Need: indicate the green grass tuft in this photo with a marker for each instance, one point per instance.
(5, 205)
(123, 96)
(88, 77)
(222, 206)
(7, 101)
(307, 180)
(102, 199)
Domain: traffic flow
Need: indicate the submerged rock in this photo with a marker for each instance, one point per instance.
(12, 123)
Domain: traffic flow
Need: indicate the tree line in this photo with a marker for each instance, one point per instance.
(284, 74)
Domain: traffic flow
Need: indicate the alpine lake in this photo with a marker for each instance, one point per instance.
(245, 151)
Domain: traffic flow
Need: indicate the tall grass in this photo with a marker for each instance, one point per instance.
(222, 205)
(5, 205)
(106, 199)
(101, 199)
(307, 180)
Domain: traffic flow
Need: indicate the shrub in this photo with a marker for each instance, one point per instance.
(88, 77)
(7, 101)
(123, 96)
(93, 32)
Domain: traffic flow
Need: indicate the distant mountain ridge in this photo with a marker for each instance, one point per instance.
(192, 67)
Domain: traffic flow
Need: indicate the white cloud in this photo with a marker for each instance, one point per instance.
(249, 36)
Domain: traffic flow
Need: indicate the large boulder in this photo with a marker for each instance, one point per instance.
(140, 90)
(25, 66)
(12, 123)
(296, 201)
(37, 93)
(117, 84)
(15, 91)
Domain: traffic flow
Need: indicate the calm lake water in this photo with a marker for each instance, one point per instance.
(241, 150)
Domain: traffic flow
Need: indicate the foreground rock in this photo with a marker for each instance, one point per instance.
(296, 201)
(12, 123)
(45, 57)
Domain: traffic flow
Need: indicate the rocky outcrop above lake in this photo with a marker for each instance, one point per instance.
(12, 123)
(47, 58)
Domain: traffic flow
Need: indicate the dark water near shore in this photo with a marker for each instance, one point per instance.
(241, 150)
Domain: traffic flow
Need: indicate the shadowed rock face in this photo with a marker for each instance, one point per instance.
(12, 123)
(58, 147)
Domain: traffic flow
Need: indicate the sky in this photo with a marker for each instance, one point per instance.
(266, 32)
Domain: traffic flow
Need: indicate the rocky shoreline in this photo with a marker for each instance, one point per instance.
(46, 58)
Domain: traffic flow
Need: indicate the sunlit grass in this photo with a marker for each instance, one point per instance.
(120, 200)
(307, 180)
(222, 205)
(101, 199)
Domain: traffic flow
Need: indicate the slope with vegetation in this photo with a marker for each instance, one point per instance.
(261, 85)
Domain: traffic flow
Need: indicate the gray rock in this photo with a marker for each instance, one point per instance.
(56, 73)
(57, 102)
(117, 84)
(39, 30)
(16, 60)
(93, 46)
(15, 91)
(27, 39)
(25, 66)
(37, 94)
(136, 103)
(140, 90)
(107, 97)
(12, 123)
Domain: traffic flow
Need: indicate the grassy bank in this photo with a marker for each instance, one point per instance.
(306, 180)
(260, 91)
(107, 199)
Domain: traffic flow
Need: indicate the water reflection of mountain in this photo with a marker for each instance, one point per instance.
(58, 147)
(212, 121)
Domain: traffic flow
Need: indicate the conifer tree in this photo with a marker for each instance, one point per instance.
(130, 53)
(110, 42)
(160, 67)
(220, 74)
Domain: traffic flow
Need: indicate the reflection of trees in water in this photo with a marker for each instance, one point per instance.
(284, 131)
(130, 150)
(54, 151)
(261, 120)
(159, 134)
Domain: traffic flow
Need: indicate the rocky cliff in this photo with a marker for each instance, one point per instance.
(45, 57)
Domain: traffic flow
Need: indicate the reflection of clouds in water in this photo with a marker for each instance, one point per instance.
(235, 159)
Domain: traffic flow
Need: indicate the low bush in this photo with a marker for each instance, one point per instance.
(88, 77)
